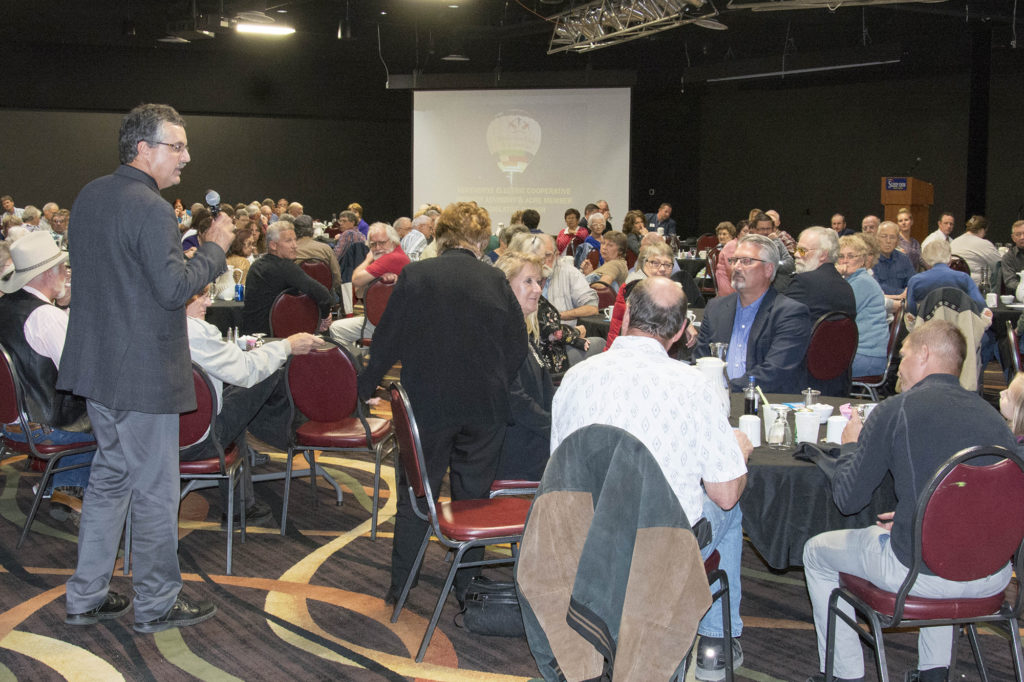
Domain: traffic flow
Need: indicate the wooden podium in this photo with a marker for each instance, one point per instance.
(915, 194)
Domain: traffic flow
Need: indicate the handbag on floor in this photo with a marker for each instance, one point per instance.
(492, 608)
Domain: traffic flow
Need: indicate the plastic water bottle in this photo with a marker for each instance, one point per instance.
(750, 397)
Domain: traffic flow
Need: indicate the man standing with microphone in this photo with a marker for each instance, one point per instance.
(127, 353)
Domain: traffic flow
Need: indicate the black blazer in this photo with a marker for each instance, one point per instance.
(527, 445)
(823, 291)
(458, 330)
(776, 346)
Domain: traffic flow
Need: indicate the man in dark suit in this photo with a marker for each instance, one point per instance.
(459, 332)
(767, 332)
(127, 354)
(820, 287)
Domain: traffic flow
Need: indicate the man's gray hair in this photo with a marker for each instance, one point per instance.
(288, 218)
(276, 228)
(391, 232)
(936, 251)
(30, 213)
(769, 252)
(828, 241)
(597, 217)
(142, 124)
(509, 233)
(50, 206)
(662, 318)
(422, 219)
(303, 226)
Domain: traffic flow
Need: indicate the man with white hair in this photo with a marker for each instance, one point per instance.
(419, 236)
(31, 218)
(565, 287)
(49, 209)
(384, 260)
(32, 329)
(767, 332)
(273, 273)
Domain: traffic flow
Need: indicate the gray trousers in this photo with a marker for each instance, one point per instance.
(865, 552)
(136, 462)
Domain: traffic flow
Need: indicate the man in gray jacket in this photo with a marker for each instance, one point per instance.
(127, 353)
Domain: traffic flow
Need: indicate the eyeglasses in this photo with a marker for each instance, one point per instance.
(176, 147)
(746, 261)
(378, 245)
(660, 264)
(803, 251)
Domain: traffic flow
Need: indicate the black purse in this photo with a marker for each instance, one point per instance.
(492, 608)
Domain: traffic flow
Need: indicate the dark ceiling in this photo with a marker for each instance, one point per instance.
(513, 35)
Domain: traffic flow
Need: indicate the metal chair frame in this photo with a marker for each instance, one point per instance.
(862, 385)
(13, 410)
(1007, 613)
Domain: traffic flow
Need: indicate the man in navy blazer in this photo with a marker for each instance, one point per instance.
(767, 332)
(820, 287)
(127, 353)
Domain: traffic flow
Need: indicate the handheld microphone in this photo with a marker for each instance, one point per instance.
(213, 202)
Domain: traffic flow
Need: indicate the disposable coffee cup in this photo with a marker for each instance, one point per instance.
(750, 424)
(992, 300)
(834, 428)
(807, 423)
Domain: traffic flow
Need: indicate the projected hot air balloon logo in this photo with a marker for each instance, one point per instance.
(513, 138)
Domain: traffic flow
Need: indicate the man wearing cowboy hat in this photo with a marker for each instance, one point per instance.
(32, 330)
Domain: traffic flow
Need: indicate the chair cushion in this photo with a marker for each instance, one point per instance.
(711, 563)
(347, 433)
(209, 466)
(873, 379)
(514, 484)
(463, 520)
(920, 608)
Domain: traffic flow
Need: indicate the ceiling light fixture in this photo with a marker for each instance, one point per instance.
(601, 23)
(264, 29)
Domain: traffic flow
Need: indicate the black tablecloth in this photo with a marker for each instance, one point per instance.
(225, 314)
(787, 501)
(597, 325)
(691, 265)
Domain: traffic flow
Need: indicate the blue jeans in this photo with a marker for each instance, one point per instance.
(727, 538)
(65, 479)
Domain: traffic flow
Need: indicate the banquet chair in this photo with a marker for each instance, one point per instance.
(293, 312)
(606, 295)
(867, 386)
(631, 259)
(459, 525)
(375, 300)
(318, 270)
(707, 242)
(195, 427)
(513, 486)
(968, 524)
(831, 348)
(1014, 346)
(708, 285)
(959, 264)
(13, 410)
(716, 574)
(595, 258)
(322, 386)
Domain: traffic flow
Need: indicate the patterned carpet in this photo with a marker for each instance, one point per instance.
(308, 606)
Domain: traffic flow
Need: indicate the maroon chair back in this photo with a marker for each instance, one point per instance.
(408, 435)
(195, 425)
(959, 264)
(375, 300)
(605, 294)
(293, 312)
(9, 395)
(322, 384)
(595, 258)
(630, 259)
(832, 346)
(973, 520)
(709, 285)
(707, 241)
(318, 270)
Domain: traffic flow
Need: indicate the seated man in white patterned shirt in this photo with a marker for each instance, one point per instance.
(688, 433)
(254, 397)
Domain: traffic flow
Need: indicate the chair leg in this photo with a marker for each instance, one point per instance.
(313, 466)
(47, 474)
(287, 489)
(412, 576)
(1015, 647)
(972, 636)
(334, 484)
(441, 599)
(379, 451)
(726, 623)
(231, 520)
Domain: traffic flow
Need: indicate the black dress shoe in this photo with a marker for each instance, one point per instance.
(259, 514)
(114, 606)
(391, 598)
(181, 614)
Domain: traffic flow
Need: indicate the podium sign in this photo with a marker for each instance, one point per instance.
(917, 195)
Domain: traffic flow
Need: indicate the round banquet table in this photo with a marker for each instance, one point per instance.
(691, 265)
(225, 314)
(787, 501)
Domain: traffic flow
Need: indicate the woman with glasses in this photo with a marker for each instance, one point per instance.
(872, 323)
(654, 261)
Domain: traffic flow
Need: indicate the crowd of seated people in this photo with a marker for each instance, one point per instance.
(770, 289)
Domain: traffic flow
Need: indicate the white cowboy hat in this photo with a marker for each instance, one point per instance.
(31, 255)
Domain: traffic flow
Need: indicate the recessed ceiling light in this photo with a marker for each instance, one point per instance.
(383, 13)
